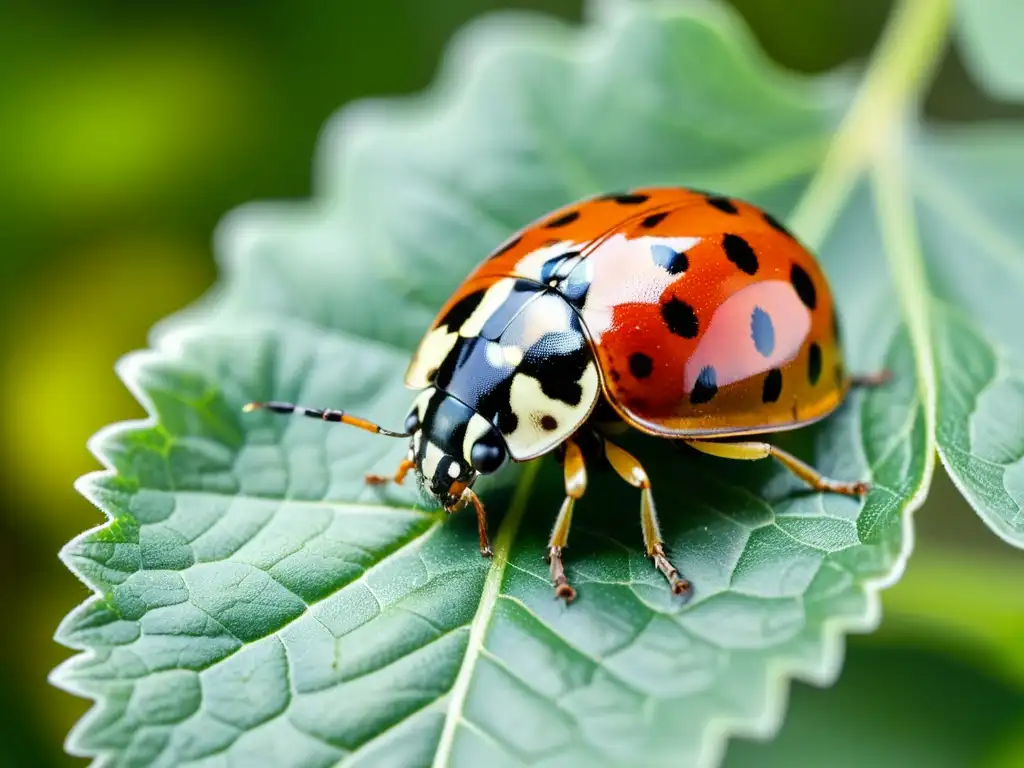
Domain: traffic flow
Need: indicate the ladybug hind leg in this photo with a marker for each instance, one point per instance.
(755, 450)
(630, 470)
(575, 485)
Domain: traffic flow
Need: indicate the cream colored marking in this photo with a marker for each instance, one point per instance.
(623, 272)
(421, 402)
(530, 405)
(431, 458)
(454, 470)
(503, 355)
(548, 313)
(512, 355)
(477, 427)
(432, 351)
(494, 297)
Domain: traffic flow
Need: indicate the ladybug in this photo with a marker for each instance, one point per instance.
(683, 314)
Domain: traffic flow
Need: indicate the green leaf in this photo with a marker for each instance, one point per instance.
(257, 603)
(990, 39)
(968, 184)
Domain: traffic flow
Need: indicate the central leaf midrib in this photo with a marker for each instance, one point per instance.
(482, 619)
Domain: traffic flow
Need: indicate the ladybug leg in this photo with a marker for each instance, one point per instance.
(630, 470)
(575, 485)
(807, 473)
(399, 477)
(867, 380)
(468, 497)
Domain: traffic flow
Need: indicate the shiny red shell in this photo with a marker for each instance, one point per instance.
(706, 317)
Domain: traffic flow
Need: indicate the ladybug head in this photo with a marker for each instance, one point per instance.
(451, 445)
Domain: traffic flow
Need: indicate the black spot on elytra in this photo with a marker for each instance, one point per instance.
(653, 220)
(626, 199)
(705, 387)
(561, 221)
(804, 286)
(640, 365)
(460, 312)
(776, 224)
(559, 375)
(724, 204)
(672, 261)
(614, 374)
(507, 421)
(508, 246)
(680, 318)
(762, 331)
(772, 386)
(814, 363)
(739, 252)
(548, 423)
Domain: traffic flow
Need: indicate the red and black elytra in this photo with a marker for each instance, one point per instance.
(686, 315)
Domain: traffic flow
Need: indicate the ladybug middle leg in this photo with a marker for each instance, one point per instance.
(755, 450)
(630, 470)
(869, 380)
(575, 484)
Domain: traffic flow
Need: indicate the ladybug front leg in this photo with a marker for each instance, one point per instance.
(752, 450)
(403, 469)
(630, 470)
(575, 485)
(468, 497)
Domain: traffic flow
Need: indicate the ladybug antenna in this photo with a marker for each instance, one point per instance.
(325, 414)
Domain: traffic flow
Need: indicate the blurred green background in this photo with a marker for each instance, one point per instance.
(129, 129)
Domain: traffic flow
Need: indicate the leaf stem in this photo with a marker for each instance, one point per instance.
(896, 221)
(896, 75)
(482, 618)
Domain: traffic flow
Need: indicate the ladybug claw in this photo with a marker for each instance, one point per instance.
(848, 489)
(564, 592)
(680, 586)
(562, 589)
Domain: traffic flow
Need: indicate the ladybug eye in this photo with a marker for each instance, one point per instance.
(487, 454)
(412, 422)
